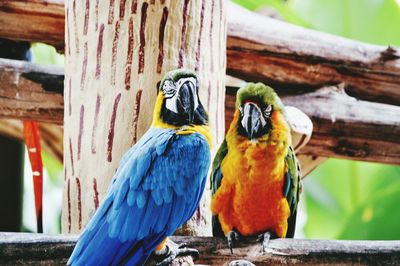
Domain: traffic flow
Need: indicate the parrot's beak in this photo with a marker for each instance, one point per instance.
(252, 121)
(187, 100)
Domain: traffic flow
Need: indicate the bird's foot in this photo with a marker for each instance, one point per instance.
(264, 239)
(175, 250)
(232, 237)
(240, 263)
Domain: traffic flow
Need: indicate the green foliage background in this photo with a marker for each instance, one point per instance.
(347, 199)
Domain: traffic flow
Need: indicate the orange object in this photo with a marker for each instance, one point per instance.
(32, 140)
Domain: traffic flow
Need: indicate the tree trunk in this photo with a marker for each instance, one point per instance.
(116, 53)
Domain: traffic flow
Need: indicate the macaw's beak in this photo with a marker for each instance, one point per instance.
(253, 121)
(187, 100)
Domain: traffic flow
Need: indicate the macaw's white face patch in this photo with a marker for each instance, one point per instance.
(174, 92)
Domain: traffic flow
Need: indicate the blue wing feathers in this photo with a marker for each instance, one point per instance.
(142, 197)
(156, 189)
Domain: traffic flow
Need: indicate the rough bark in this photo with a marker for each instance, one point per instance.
(293, 58)
(33, 20)
(34, 249)
(28, 91)
(116, 53)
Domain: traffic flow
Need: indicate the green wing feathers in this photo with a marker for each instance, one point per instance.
(216, 178)
(216, 174)
(292, 188)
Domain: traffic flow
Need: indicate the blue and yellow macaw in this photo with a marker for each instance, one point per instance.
(158, 184)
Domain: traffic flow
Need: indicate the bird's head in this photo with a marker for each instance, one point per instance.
(179, 99)
(256, 104)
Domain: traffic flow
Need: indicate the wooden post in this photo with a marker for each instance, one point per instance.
(116, 53)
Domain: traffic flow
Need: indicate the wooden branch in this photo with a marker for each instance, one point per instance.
(33, 20)
(23, 249)
(343, 126)
(258, 49)
(31, 91)
(294, 58)
(347, 128)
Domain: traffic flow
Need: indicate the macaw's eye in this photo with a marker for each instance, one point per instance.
(169, 89)
(267, 111)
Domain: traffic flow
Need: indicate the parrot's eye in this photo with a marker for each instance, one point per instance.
(169, 89)
(267, 111)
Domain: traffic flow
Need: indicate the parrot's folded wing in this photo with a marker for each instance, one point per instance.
(216, 178)
(292, 188)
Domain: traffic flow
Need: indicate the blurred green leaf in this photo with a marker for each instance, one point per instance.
(46, 54)
(353, 200)
(373, 21)
(376, 219)
(279, 6)
(53, 167)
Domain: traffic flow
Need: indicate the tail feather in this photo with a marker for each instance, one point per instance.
(216, 227)
(291, 225)
(122, 252)
(141, 250)
(104, 250)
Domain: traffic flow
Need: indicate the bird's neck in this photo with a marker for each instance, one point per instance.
(279, 133)
(180, 130)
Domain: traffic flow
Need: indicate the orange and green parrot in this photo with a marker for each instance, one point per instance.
(255, 177)
(158, 184)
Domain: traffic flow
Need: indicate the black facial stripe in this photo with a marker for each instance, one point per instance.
(251, 123)
(200, 116)
(185, 105)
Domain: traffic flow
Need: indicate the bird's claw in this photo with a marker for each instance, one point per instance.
(232, 238)
(176, 250)
(264, 239)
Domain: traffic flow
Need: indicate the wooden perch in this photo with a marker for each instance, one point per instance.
(33, 20)
(343, 126)
(23, 249)
(294, 58)
(258, 49)
(31, 91)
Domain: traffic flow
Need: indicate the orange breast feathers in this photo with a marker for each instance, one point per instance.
(250, 198)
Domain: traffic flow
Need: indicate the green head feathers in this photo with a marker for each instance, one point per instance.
(175, 75)
(259, 93)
